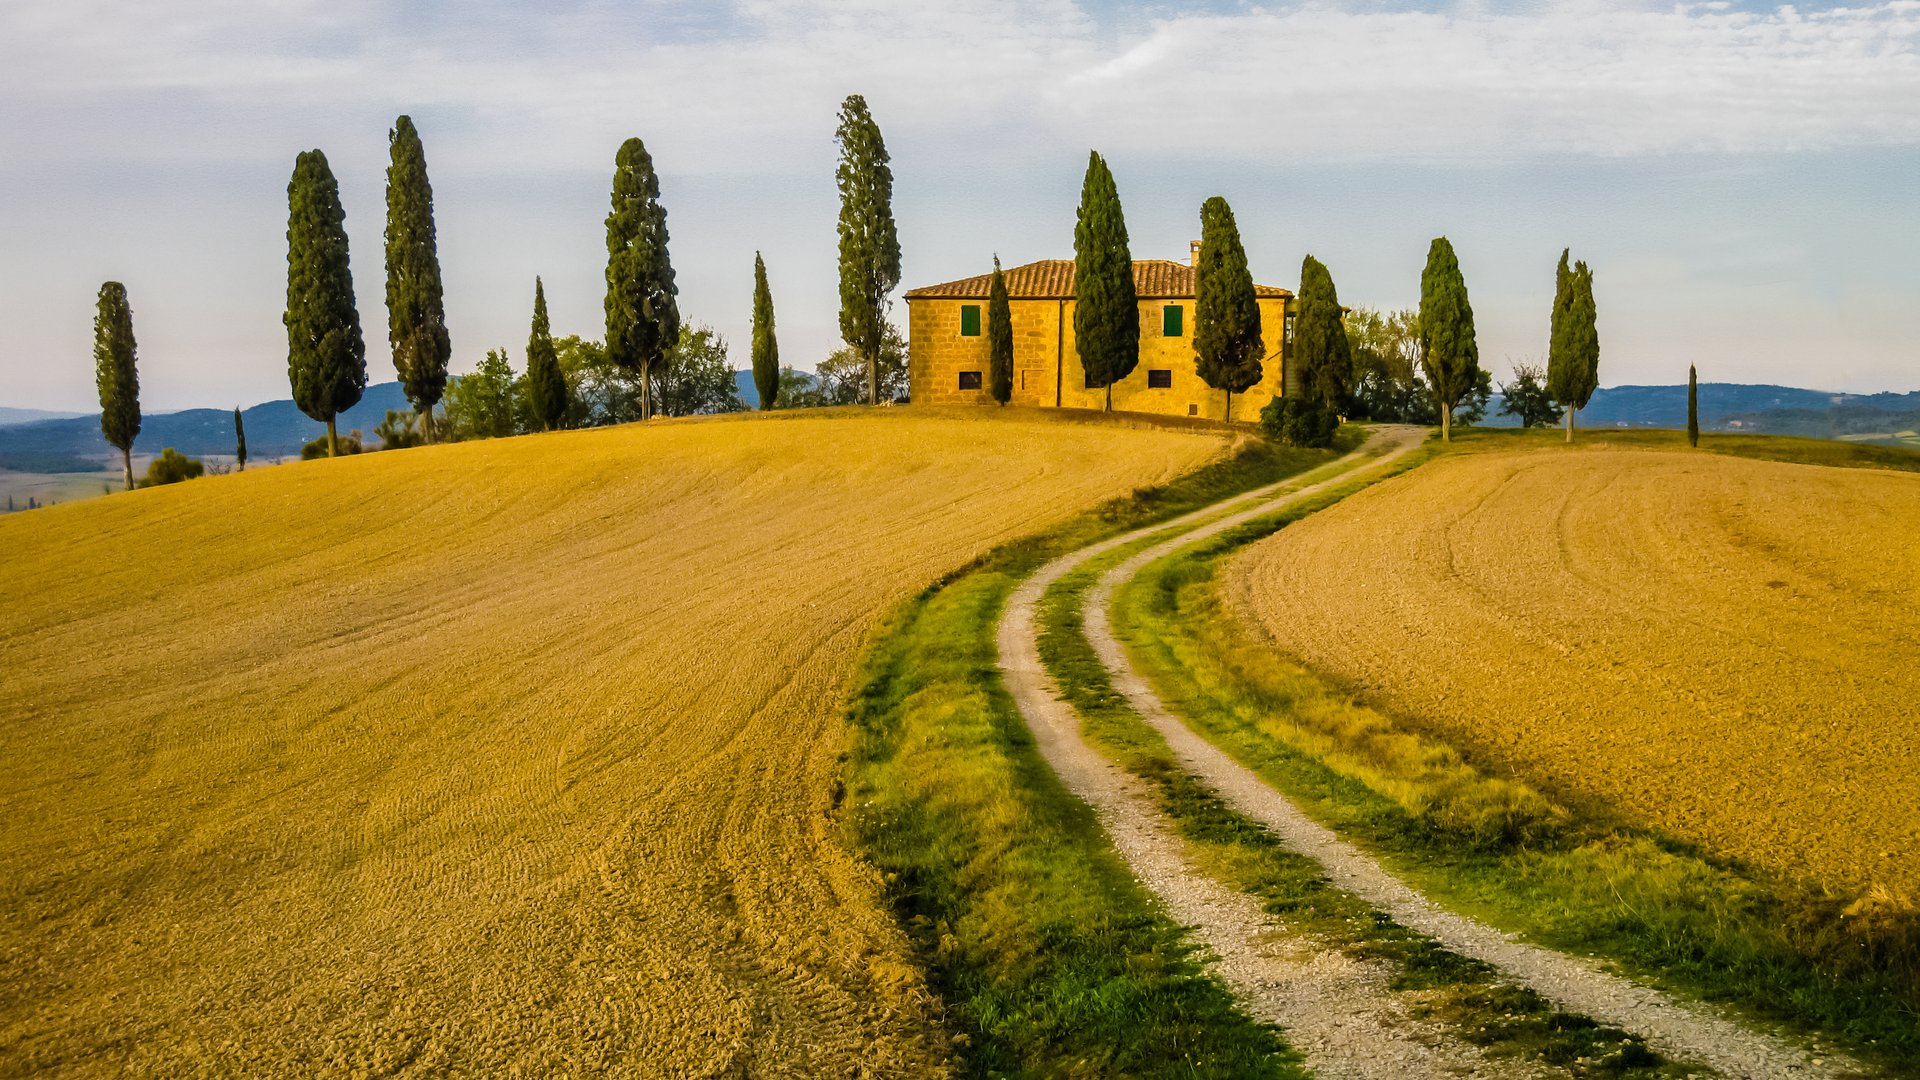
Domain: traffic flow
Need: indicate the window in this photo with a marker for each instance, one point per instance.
(1192, 409)
(1290, 319)
(1172, 320)
(970, 380)
(970, 321)
(1159, 378)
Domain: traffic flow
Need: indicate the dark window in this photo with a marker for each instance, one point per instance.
(969, 380)
(1192, 409)
(970, 320)
(1172, 320)
(1159, 378)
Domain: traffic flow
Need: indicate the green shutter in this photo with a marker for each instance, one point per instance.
(1172, 320)
(970, 320)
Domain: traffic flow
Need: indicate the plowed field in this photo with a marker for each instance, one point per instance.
(504, 758)
(1727, 649)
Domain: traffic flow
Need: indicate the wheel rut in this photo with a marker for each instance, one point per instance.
(1336, 1010)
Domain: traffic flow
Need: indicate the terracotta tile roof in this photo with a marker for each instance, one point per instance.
(1052, 279)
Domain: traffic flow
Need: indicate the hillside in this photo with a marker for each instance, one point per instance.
(274, 429)
(1769, 410)
(507, 757)
(1711, 645)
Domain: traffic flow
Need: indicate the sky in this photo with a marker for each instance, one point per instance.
(1742, 178)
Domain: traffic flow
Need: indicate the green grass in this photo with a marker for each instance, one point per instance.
(1466, 995)
(1049, 958)
(1791, 448)
(1494, 847)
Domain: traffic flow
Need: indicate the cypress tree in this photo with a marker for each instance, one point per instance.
(1226, 322)
(115, 373)
(766, 347)
(326, 357)
(1573, 352)
(546, 386)
(239, 441)
(999, 337)
(643, 314)
(416, 310)
(869, 242)
(1449, 353)
(1693, 406)
(1106, 309)
(1320, 341)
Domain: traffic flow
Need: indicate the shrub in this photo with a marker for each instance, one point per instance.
(171, 467)
(349, 444)
(1298, 421)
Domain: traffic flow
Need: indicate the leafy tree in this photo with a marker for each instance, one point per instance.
(1299, 421)
(416, 308)
(1387, 384)
(643, 314)
(115, 372)
(869, 242)
(766, 348)
(1573, 348)
(1693, 406)
(1526, 397)
(326, 358)
(399, 431)
(843, 377)
(598, 390)
(1226, 323)
(325, 446)
(999, 337)
(546, 386)
(1106, 311)
(239, 441)
(697, 377)
(1320, 345)
(798, 388)
(1449, 353)
(1472, 406)
(483, 405)
(171, 467)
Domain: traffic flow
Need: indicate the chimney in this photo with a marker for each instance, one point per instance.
(1193, 256)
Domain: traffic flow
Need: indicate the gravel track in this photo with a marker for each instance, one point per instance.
(1339, 1021)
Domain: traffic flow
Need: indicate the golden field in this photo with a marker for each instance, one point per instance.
(502, 758)
(1726, 649)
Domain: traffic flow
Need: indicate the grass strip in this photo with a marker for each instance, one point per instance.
(1049, 958)
(1841, 969)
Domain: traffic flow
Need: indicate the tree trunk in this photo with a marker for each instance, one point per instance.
(426, 429)
(1446, 422)
(126, 459)
(1109, 407)
(873, 377)
(333, 440)
(646, 391)
(1229, 412)
(1570, 411)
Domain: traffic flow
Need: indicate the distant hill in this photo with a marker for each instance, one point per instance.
(274, 429)
(1773, 410)
(9, 416)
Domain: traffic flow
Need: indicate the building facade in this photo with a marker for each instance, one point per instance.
(947, 344)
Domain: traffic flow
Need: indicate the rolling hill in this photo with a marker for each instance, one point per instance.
(512, 757)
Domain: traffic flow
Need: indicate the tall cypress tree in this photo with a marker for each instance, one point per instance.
(1226, 323)
(239, 441)
(115, 373)
(1585, 336)
(326, 357)
(546, 386)
(1320, 341)
(1572, 350)
(869, 242)
(1449, 352)
(416, 309)
(1106, 309)
(643, 312)
(766, 347)
(999, 337)
(1693, 406)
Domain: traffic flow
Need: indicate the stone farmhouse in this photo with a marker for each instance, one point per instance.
(947, 343)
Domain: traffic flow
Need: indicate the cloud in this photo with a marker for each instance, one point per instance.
(737, 88)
